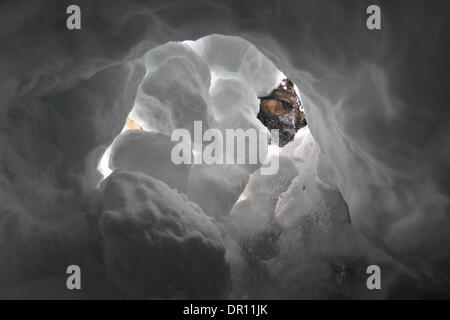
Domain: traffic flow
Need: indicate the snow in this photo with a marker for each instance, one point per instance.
(376, 176)
(149, 153)
(174, 92)
(157, 244)
(235, 57)
(215, 188)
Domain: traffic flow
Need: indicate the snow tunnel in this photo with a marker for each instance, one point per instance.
(225, 82)
(88, 178)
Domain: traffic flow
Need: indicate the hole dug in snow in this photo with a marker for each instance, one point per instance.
(216, 81)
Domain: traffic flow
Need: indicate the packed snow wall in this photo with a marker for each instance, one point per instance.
(376, 107)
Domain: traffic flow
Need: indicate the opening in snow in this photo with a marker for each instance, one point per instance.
(283, 110)
(223, 81)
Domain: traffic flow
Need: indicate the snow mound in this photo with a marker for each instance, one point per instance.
(157, 244)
